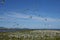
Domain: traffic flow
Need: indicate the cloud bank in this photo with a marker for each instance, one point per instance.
(14, 15)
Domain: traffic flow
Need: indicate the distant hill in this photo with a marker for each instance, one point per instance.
(3, 29)
(12, 28)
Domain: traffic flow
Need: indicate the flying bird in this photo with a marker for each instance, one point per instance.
(30, 16)
(39, 15)
(17, 24)
(45, 19)
(2, 2)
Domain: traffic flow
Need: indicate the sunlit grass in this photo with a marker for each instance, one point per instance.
(30, 35)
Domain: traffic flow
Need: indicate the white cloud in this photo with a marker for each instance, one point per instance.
(48, 19)
(16, 15)
(13, 15)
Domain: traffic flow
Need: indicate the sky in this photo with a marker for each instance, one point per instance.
(33, 14)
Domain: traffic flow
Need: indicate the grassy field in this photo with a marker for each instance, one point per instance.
(31, 35)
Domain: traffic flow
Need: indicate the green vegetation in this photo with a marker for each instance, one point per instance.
(31, 35)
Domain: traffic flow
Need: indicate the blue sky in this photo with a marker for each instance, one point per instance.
(30, 14)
